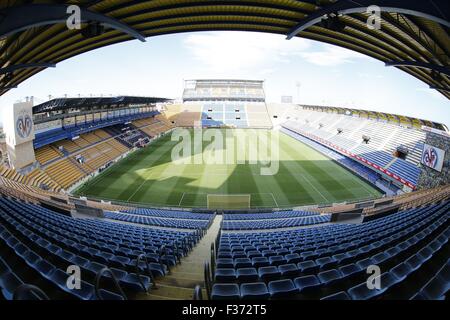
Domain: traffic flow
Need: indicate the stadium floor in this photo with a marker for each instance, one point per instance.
(304, 176)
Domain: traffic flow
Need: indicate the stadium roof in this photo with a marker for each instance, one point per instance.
(414, 35)
(390, 117)
(68, 103)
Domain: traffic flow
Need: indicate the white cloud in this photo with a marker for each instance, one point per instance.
(234, 51)
(331, 56)
(249, 51)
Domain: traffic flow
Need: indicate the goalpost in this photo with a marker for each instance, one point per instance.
(228, 201)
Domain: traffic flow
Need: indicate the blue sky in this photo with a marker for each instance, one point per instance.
(328, 75)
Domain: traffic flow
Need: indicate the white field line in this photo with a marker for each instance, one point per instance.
(137, 189)
(276, 203)
(317, 190)
(181, 200)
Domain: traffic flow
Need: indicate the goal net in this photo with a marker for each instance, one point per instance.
(228, 201)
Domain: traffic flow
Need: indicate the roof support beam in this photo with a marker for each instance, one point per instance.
(424, 9)
(418, 64)
(440, 88)
(15, 67)
(8, 87)
(16, 19)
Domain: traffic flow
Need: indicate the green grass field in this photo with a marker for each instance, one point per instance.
(304, 177)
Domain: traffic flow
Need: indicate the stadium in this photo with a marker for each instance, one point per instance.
(222, 194)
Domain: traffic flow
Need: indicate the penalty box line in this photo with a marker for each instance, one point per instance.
(230, 194)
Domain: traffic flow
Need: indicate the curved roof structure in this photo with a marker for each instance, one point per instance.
(87, 103)
(412, 35)
(388, 117)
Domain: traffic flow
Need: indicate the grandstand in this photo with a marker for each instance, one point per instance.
(90, 185)
(232, 103)
(316, 244)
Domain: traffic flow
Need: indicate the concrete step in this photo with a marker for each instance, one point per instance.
(183, 278)
(177, 281)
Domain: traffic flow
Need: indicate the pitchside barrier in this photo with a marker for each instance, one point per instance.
(228, 201)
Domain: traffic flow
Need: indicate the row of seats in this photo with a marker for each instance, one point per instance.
(268, 215)
(438, 287)
(65, 172)
(39, 178)
(331, 261)
(354, 166)
(275, 223)
(160, 222)
(48, 242)
(405, 170)
(77, 129)
(47, 154)
(375, 156)
(169, 213)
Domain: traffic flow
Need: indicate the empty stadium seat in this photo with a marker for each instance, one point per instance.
(225, 291)
(256, 290)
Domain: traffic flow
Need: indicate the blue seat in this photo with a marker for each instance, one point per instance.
(288, 270)
(242, 263)
(226, 291)
(45, 268)
(239, 254)
(109, 296)
(79, 261)
(258, 262)
(20, 249)
(380, 258)
(308, 266)
(365, 263)
(31, 258)
(435, 289)
(342, 295)
(224, 275)
(401, 271)
(293, 258)
(66, 255)
(277, 260)
(325, 262)
(342, 258)
(362, 292)
(119, 260)
(414, 262)
(9, 281)
(246, 274)
(94, 267)
(269, 273)
(307, 283)
(225, 263)
(438, 286)
(282, 288)
(224, 255)
(257, 290)
(253, 254)
(329, 277)
(136, 282)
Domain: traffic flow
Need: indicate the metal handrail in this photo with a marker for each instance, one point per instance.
(23, 288)
(213, 258)
(163, 252)
(116, 283)
(138, 272)
(198, 294)
(207, 276)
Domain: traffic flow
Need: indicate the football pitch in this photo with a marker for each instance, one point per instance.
(303, 176)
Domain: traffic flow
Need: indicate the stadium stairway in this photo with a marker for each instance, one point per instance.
(182, 279)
